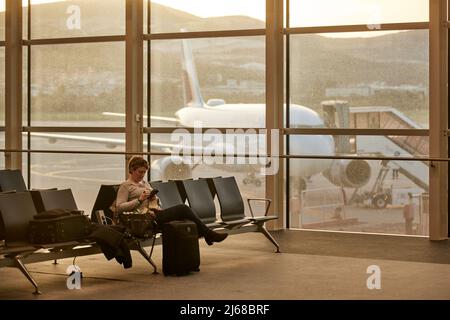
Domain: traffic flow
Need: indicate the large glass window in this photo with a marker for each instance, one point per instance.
(2, 20)
(2, 145)
(377, 80)
(2, 86)
(84, 174)
(310, 13)
(77, 18)
(223, 76)
(359, 80)
(387, 74)
(74, 85)
(393, 198)
(204, 15)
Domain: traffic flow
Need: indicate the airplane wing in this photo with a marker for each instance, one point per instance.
(160, 120)
(113, 143)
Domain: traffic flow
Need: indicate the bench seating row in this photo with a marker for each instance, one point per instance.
(18, 208)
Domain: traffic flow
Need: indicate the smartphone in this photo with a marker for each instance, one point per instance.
(153, 192)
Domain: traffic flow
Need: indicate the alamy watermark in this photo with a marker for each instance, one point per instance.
(375, 17)
(73, 22)
(74, 279)
(234, 147)
(374, 280)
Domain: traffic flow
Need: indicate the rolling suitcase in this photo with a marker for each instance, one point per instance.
(181, 253)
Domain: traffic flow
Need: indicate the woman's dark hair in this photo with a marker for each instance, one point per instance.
(137, 162)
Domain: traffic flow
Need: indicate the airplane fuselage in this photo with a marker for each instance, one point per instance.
(253, 116)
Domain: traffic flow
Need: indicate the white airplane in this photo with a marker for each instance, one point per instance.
(217, 114)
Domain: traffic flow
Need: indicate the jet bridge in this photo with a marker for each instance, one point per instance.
(396, 146)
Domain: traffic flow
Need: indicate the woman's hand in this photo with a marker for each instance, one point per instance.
(144, 195)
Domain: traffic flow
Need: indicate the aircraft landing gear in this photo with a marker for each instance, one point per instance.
(380, 201)
(379, 197)
(251, 179)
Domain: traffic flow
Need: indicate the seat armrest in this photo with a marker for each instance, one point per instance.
(268, 203)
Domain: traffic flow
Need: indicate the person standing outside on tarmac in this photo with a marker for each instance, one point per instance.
(408, 214)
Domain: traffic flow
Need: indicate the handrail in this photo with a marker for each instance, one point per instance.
(235, 155)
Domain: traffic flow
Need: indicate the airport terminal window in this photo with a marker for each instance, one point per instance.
(311, 13)
(2, 145)
(2, 86)
(204, 15)
(388, 73)
(334, 201)
(77, 18)
(73, 85)
(2, 20)
(25, 51)
(84, 174)
(229, 71)
(379, 79)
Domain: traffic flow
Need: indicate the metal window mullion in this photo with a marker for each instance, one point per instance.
(13, 83)
(197, 130)
(438, 203)
(75, 129)
(274, 105)
(74, 40)
(134, 77)
(356, 132)
(236, 155)
(448, 113)
(359, 28)
(149, 87)
(29, 95)
(205, 34)
(305, 131)
(288, 115)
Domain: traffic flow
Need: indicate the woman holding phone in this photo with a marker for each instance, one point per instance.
(136, 193)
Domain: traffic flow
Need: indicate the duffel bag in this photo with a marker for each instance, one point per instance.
(64, 228)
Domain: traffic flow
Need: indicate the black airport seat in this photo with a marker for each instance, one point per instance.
(232, 206)
(231, 203)
(45, 200)
(168, 193)
(17, 210)
(105, 198)
(201, 201)
(12, 180)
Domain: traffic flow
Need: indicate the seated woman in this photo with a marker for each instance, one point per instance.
(135, 194)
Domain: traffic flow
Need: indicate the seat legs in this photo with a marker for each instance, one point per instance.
(21, 266)
(263, 230)
(147, 257)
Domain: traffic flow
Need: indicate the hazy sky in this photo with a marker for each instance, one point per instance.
(304, 12)
(316, 12)
(313, 12)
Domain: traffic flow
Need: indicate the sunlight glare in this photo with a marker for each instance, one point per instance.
(25, 3)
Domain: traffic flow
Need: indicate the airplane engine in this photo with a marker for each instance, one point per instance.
(171, 168)
(348, 173)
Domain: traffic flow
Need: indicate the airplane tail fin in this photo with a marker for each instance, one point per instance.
(192, 95)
